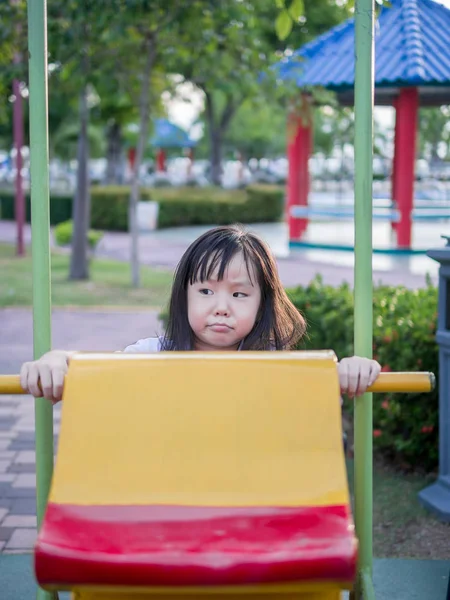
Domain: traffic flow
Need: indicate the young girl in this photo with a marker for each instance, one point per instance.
(226, 296)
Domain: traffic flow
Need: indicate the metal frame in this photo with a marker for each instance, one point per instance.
(364, 100)
(363, 333)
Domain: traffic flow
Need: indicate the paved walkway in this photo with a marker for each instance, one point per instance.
(112, 329)
(163, 248)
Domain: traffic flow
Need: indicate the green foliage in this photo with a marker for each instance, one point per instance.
(287, 17)
(258, 130)
(434, 132)
(60, 207)
(64, 233)
(189, 206)
(193, 206)
(177, 206)
(405, 425)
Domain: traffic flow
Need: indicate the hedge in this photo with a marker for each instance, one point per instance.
(177, 206)
(60, 207)
(405, 425)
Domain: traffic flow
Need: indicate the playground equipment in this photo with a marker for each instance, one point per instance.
(333, 213)
(161, 490)
(115, 491)
(403, 79)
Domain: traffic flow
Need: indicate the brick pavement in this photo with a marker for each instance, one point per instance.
(113, 329)
(86, 330)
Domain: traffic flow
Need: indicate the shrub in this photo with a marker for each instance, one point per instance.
(177, 206)
(207, 206)
(405, 321)
(60, 206)
(64, 232)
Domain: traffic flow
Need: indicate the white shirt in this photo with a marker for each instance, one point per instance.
(149, 345)
(145, 345)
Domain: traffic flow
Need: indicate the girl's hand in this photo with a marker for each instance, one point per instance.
(356, 374)
(45, 377)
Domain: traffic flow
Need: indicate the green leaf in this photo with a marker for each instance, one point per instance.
(297, 9)
(279, 3)
(283, 25)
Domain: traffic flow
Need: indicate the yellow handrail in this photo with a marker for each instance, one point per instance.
(414, 382)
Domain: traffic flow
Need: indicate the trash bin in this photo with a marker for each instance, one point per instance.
(436, 497)
(147, 216)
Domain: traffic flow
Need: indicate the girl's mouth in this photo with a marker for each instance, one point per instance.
(219, 327)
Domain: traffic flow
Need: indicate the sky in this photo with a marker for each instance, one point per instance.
(185, 112)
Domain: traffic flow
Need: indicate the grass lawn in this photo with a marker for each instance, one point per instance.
(401, 527)
(109, 284)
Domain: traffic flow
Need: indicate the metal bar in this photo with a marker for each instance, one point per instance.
(40, 231)
(364, 100)
(414, 382)
(367, 585)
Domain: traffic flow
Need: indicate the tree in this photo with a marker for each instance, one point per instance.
(434, 132)
(257, 130)
(223, 55)
(82, 47)
(228, 53)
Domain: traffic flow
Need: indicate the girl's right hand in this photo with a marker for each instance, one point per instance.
(45, 377)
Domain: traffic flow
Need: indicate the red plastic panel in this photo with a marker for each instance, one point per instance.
(172, 545)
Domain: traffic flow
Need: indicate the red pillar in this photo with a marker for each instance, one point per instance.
(161, 161)
(407, 110)
(132, 158)
(190, 155)
(298, 151)
(394, 175)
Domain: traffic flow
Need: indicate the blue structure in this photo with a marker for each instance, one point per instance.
(412, 68)
(168, 135)
(412, 48)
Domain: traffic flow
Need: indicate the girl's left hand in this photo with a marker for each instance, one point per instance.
(356, 374)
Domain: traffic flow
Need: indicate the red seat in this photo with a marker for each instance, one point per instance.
(184, 546)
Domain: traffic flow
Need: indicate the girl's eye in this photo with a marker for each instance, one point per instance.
(240, 295)
(205, 292)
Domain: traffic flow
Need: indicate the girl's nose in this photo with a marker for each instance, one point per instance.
(221, 308)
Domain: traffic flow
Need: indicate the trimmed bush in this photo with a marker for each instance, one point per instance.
(405, 321)
(60, 207)
(177, 206)
(64, 233)
(206, 206)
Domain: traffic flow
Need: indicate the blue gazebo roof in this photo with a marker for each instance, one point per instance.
(169, 135)
(412, 48)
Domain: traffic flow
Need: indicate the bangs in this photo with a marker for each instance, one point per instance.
(215, 261)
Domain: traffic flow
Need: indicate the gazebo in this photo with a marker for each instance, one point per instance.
(168, 135)
(412, 68)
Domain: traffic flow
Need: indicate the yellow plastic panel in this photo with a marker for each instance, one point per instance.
(272, 592)
(211, 429)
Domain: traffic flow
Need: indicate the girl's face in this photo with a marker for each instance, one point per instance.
(222, 313)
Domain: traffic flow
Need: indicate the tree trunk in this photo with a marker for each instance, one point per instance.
(144, 115)
(79, 263)
(217, 131)
(114, 154)
(215, 155)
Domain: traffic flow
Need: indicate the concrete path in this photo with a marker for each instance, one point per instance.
(112, 329)
(163, 248)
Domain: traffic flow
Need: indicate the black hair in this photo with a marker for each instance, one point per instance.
(278, 326)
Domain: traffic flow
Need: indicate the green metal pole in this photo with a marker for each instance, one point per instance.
(40, 231)
(364, 100)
